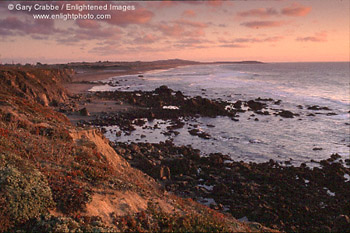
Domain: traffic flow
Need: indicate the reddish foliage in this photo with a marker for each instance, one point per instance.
(4, 132)
(70, 194)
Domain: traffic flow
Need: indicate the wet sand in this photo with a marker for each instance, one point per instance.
(80, 86)
(77, 86)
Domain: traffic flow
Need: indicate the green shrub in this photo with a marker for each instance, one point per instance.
(49, 223)
(24, 191)
(156, 220)
(53, 224)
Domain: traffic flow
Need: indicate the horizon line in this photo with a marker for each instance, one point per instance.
(13, 62)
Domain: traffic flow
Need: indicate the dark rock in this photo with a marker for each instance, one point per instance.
(179, 95)
(262, 99)
(163, 90)
(341, 224)
(238, 104)
(262, 112)
(135, 147)
(216, 159)
(331, 114)
(139, 122)
(220, 189)
(84, 112)
(176, 124)
(278, 102)
(347, 162)
(324, 229)
(118, 133)
(335, 157)
(201, 134)
(179, 166)
(164, 173)
(168, 133)
(255, 106)
(286, 114)
(317, 108)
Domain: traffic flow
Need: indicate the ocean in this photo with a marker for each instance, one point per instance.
(298, 86)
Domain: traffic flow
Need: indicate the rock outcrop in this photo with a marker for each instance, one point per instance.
(35, 84)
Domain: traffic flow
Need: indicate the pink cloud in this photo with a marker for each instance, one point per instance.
(139, 16)
(263, 24)
(258, 40)
(296, 9)
(243, 42)
(90, 24)
(161, 4)
(106, 50)
(19, 27)
(182, 28)
(12, 23)
(260, 12)
(146, 39)
(189, 13)
(192, 43)
(191, 23)
(317, 37)
(215, 3)
(179, 31)
(85, 34)
(5, 32)
(194, 33)
(232, 45)
(171, 30)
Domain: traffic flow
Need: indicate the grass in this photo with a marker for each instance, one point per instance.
(156, 220)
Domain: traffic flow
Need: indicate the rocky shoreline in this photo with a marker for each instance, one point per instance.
(56, 177)
(280, 196)
(167, 104)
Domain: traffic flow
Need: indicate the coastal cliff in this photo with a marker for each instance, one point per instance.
(58, 177)
(40, 85)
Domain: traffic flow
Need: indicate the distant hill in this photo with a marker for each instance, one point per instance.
(238, 62)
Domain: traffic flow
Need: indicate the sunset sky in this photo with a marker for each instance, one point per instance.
(270, 31)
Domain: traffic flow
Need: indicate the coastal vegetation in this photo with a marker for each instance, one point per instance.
(58, 177)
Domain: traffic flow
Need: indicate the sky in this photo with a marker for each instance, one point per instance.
(269, 31)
